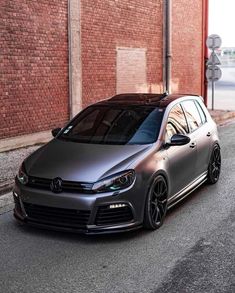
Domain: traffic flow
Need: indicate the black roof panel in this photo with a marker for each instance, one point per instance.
(158, 100)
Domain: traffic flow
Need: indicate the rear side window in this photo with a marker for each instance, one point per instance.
(176, 123)
(192, 115)
(201, 112)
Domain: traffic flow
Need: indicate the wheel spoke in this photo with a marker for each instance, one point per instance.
(154, 212)
(161, 210)
(215, 164)
(162, 186)
(154, 203)
(159, 216)
(158, 201)
(159, 188)
(218, 164)
(217, 155)
(155, 194)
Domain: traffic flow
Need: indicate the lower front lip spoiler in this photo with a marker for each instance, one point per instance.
(88, 231)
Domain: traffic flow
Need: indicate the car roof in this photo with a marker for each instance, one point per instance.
(131, 99)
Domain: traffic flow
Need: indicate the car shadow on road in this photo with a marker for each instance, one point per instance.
(199, 192)
(79, 237)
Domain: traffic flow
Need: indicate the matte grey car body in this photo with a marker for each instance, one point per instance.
(60, 185)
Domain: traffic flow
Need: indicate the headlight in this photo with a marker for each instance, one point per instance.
(116, 182)
(22, 176)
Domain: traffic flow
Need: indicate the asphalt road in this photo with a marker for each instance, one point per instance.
(194, 251)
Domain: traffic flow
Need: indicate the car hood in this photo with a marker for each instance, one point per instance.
(81, 162)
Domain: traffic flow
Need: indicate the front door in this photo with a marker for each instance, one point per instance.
(181, 159)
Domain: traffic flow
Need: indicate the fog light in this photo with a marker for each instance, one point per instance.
(117, 205)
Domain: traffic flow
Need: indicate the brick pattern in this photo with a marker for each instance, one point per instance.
(107, 24)
(187, 46)
(34, 55)
(34, 66)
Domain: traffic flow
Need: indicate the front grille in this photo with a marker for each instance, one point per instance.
(69, 186)
(108, 216)
(57, 216)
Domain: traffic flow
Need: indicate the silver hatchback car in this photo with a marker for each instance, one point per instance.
(119, 165)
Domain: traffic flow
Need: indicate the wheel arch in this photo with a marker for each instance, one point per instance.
(161, 172)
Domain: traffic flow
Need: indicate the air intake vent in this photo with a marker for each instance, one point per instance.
(110, 216)
(57, 216)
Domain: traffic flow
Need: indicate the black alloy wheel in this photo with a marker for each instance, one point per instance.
(156, 204)
(214, 165)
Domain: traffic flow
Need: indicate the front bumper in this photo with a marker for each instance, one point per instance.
(45, 209)
(88, 230)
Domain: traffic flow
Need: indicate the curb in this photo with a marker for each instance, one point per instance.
(6, 186)
(6, 203)
(222, 118)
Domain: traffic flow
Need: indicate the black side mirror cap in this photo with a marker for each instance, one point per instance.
(179, 139)
(55, 131)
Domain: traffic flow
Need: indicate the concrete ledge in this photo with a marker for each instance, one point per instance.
(6, 203)
(222, 117)
(24, 140)
(6, 186)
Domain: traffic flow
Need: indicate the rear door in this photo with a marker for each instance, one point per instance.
(182, 159)
(200, 129)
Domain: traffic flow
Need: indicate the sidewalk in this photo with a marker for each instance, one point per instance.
(9, 165)
(6, 203)
(10, 161)
(222, 117)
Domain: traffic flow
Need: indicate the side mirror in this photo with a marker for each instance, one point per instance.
(179, 139)
(55, 131)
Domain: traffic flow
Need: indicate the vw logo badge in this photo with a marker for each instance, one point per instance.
(56, 185)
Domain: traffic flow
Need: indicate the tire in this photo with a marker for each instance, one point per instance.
(214, 167)
(156, 204)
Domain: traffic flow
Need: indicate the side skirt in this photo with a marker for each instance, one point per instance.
(187, 190)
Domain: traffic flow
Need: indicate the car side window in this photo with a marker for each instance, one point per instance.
(176, 123)
(192, 115)
(201, 112)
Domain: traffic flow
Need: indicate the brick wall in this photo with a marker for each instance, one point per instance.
(108, 24)
(187, 46)
(34, 55)
(34, 66)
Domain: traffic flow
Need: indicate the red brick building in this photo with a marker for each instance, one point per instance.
(59, 56)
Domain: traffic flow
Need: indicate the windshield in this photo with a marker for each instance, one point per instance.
(115, 125)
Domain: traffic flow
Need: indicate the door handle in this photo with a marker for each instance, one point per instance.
(208, 134)
(193, 144)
